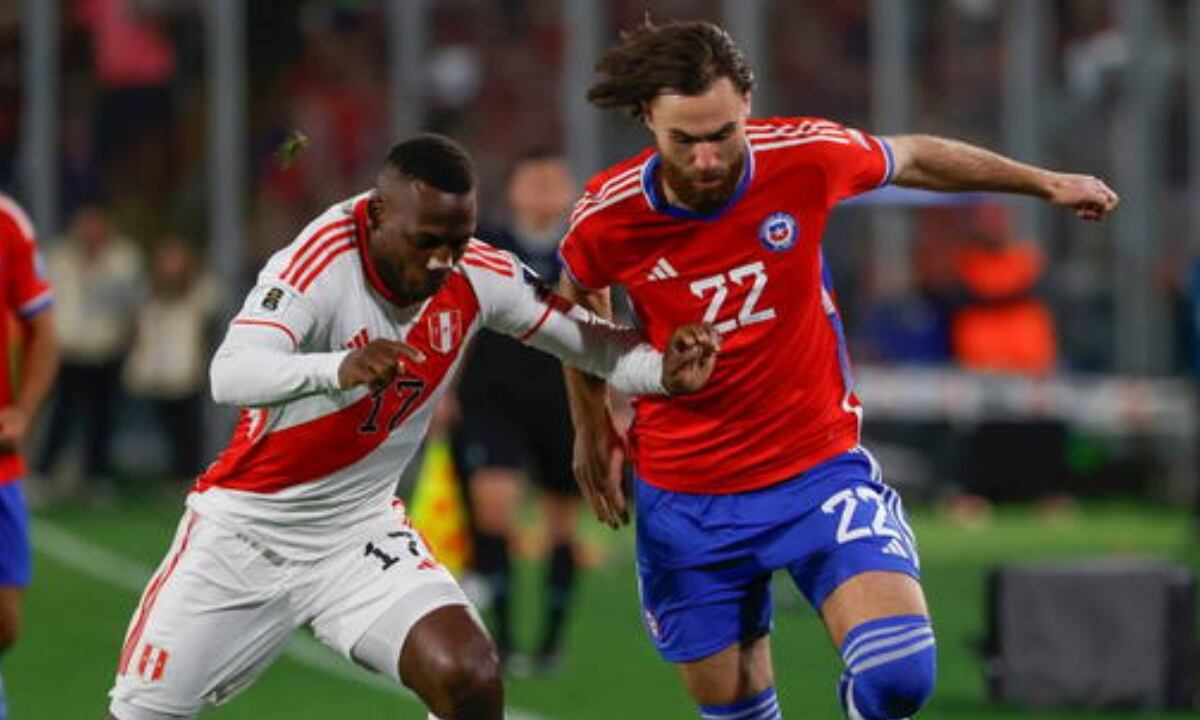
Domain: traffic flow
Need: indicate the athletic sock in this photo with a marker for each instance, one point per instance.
(763, 706)
(493, 562)
(560, 579)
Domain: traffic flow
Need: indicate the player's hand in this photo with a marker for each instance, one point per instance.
(14, 423)
(689, 358)
(376, 364)
(1088, 196)
(599, 464)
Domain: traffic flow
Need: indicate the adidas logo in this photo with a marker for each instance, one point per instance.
(895, 548)
(662, 271)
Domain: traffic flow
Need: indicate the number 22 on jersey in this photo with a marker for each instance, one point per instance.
(716, 288)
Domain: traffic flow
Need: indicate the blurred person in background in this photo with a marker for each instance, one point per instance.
(166, 364)
(1000, 324)
(515, 420)
(763, 470)
(99, 277)
(27, 297)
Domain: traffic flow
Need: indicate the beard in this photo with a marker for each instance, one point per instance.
(702, 200)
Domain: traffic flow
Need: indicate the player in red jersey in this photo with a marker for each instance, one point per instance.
(28, 297)
(722, 221)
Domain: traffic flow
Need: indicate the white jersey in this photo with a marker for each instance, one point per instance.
(311, 467)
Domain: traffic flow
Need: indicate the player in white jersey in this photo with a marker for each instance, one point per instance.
(338, 358)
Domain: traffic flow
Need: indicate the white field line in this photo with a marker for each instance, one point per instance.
(69, 549)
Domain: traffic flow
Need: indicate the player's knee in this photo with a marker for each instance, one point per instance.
(891, 668)
(10, 628)
(469, 685)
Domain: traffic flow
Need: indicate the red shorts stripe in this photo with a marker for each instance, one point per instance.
(151, 595)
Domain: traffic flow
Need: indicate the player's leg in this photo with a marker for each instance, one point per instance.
(859, 567)
(880, 623)
(561, 512)
(14, 568)
(492, 455)
(210, 620)
(547, 426)
(390, 606)
(706, 601)
(495, 497)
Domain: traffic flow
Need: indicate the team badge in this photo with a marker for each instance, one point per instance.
(778, 231)
(445, 330)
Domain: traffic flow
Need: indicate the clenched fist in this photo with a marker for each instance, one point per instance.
(376, 364)
(689, 358)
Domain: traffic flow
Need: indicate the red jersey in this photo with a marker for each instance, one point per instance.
(26, 292)
(780, 399)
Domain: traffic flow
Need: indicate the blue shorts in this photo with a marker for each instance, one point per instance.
(705, 561)
(14, 536)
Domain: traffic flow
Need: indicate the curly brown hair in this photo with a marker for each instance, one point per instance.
(684, 57)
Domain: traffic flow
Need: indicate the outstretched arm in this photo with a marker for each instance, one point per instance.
(933, 163)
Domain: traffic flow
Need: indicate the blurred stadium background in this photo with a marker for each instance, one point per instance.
(1029, 380)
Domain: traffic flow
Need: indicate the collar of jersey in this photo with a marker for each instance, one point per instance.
(360, 225)
(659, 202)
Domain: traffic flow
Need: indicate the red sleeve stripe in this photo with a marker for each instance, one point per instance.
(314, 256)
(537, 325)
(330, 257)
(487, 251)
(311, 243)
(505, 269)
(268, 323)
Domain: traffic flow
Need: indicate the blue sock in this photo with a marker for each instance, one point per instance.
(3, 710)
(763, 706)
(891, 666)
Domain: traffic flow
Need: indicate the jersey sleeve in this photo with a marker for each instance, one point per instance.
(262, 360)
(28, 291)
(579, 250)
(520, 305)
(854, 161)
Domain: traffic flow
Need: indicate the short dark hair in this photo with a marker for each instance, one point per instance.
(687, 57)
(435, 160)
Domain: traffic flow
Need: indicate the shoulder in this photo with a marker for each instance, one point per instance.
(610, 189)
(15, 224)
(485, 262)
(318, 249)
(796, 135)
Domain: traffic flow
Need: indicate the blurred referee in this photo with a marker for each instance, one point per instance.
(516, 423)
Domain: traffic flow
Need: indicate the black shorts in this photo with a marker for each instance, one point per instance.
(533, 434)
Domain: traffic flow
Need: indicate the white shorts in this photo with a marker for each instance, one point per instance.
(222, 607)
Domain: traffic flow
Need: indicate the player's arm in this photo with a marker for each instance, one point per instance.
(620, 355)
(262, 362)
(933, 163)
(39, 365)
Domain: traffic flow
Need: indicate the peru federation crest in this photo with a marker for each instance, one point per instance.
(778, 231)
(445, 330)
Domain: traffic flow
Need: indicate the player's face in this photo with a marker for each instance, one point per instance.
(702, 141)
(420, 234)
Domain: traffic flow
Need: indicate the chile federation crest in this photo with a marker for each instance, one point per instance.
(778, 231)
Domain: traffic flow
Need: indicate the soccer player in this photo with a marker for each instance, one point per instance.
(722, 221)
(515, 417)
(27, 295)
(338, 358)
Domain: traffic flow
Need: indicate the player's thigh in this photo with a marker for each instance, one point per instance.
(702, 591)
(495, 497)
(365, 600)
(861, 557)
(210, 620)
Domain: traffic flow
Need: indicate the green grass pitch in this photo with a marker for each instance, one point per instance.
(79, 606)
